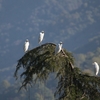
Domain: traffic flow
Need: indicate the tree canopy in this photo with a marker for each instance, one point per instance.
(73, 84)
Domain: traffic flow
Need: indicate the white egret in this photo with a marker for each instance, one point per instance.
(41, 36)
(26, 45)
(96, 67)
(58, 48)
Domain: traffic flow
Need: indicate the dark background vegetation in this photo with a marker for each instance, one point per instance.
(74, 22)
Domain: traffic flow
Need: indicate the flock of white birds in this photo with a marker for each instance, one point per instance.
(57, 49)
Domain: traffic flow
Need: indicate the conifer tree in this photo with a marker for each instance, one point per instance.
(73, 84)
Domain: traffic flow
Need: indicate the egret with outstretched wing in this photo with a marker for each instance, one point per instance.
(26, 45)
(41, 36)
(96, 67)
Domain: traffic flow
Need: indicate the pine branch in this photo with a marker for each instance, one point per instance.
(73, 84)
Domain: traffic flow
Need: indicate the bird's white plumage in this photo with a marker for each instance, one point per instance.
(58, 48)
(96, 67)
(41, 36)
(26, 45)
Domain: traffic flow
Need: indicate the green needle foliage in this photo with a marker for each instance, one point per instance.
(39, 62)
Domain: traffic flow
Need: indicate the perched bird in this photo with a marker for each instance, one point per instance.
(41, 36)
(58, 48)
(26, 45)
(96, 67)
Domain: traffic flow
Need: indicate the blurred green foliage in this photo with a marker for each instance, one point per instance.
(73, 84)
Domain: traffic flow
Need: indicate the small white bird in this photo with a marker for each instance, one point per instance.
(26, 45)
(58, 48)
(96, 67)
(41, 36)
